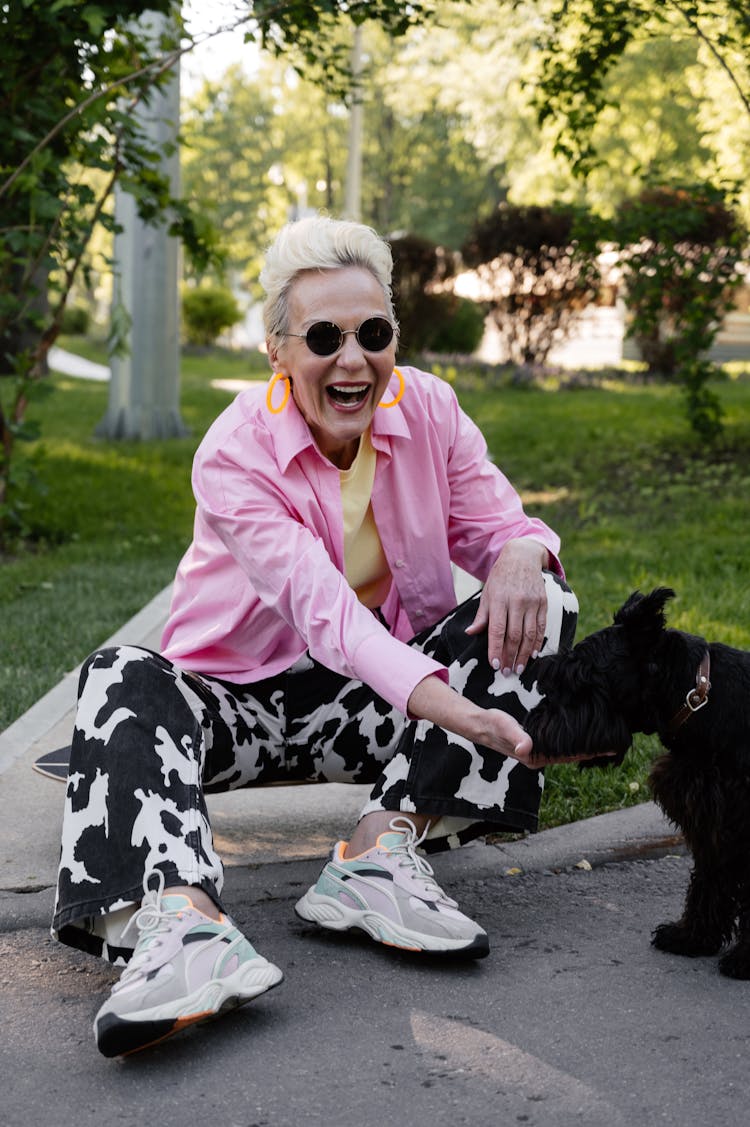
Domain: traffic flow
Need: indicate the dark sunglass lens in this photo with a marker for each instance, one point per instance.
(375, 334)
(323, 338)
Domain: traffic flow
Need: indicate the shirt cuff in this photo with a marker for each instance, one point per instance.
(393, 669)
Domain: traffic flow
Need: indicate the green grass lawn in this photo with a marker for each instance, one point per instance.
(612, 468)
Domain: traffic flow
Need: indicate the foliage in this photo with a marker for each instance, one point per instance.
(238, 143)
(437, 154)
(459, 327)
(76, 319)
(585, 39)
(260, 148)
(75, 82)
(655, 124)
(431, 317)
(207, 311)
(72, 75)
(680, 256)
(536, 275)
(308, 32)
(418, 267)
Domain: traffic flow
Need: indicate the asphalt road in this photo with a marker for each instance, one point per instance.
(573, 1019)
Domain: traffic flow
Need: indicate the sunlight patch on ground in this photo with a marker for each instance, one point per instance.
(235, 385)
(544, 496)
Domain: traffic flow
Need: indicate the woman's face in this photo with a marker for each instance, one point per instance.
(337, 394)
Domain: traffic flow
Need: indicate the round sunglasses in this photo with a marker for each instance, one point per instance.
(324, 338)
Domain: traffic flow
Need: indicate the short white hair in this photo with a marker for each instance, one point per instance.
(320, 243)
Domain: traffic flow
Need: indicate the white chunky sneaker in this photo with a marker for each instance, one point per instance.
(185, 968)
(390, 893)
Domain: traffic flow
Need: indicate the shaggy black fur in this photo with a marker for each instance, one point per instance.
(631, 677)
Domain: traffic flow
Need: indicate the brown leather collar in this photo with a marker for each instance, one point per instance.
(697, 697)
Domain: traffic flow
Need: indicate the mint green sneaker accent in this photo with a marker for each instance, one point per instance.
(391, 894)
(185, 968)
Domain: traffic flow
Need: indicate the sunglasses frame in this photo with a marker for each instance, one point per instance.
(343, 333)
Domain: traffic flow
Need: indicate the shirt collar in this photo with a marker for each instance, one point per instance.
(291, 434)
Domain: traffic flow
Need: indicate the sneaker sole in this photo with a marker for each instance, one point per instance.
(329, 913)
(120, 1035)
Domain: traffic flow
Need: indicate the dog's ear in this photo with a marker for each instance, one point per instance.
(642, 616)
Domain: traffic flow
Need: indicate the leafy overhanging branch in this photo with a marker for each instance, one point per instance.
(583, 41)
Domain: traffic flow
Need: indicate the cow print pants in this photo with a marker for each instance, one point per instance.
(151, 740)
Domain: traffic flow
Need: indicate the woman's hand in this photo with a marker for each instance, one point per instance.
(499, 728)
(437, 702)
(513, 606)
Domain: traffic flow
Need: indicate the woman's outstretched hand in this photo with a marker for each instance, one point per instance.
(437, 702)
(503, 730)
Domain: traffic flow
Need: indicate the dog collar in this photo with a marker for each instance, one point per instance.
(696, 698)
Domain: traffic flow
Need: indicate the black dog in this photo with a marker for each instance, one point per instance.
(639, 676)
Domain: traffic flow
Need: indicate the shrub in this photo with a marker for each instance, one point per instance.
(418, 265)
(76, 320)
(459, 328)
(537, 275)
(207, 311)
(680, 255)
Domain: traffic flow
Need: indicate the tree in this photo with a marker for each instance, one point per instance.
(258, 146)
(583, 41)
(250, 144)
(536, 276)
(70, 76)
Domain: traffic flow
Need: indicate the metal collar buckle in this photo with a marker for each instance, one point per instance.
(696, 697)
(695, 700)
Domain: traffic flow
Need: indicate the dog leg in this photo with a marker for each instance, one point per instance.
(736, 962)
(707, 921)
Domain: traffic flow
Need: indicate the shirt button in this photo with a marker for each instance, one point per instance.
(400, 563)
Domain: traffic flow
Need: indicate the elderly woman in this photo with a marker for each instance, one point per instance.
(313, 636)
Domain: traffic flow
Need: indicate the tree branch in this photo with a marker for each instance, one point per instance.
(692, 22)
(156, 66)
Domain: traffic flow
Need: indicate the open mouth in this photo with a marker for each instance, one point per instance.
(348, 395)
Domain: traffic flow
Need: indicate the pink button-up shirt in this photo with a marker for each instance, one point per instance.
(262, 581)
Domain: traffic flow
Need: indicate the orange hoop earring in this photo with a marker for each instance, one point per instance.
(399, 393)
(269, 393)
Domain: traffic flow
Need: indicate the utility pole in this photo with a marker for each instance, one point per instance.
(144, 388)
(353, 189)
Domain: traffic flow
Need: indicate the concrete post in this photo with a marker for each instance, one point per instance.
(144, 390)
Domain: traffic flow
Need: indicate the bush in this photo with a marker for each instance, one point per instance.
(537, 275)
(680, 255)
(459, 327)
(207, 311)
(417, 265)
(76, 320)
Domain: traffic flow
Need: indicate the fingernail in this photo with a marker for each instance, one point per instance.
(495, 664)
(520, 669)
(535, 653)
(507, 671)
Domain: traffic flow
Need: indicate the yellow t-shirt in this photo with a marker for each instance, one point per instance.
(365, 565)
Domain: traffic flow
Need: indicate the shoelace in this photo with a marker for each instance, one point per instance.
(407, 851)
(151, 918)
